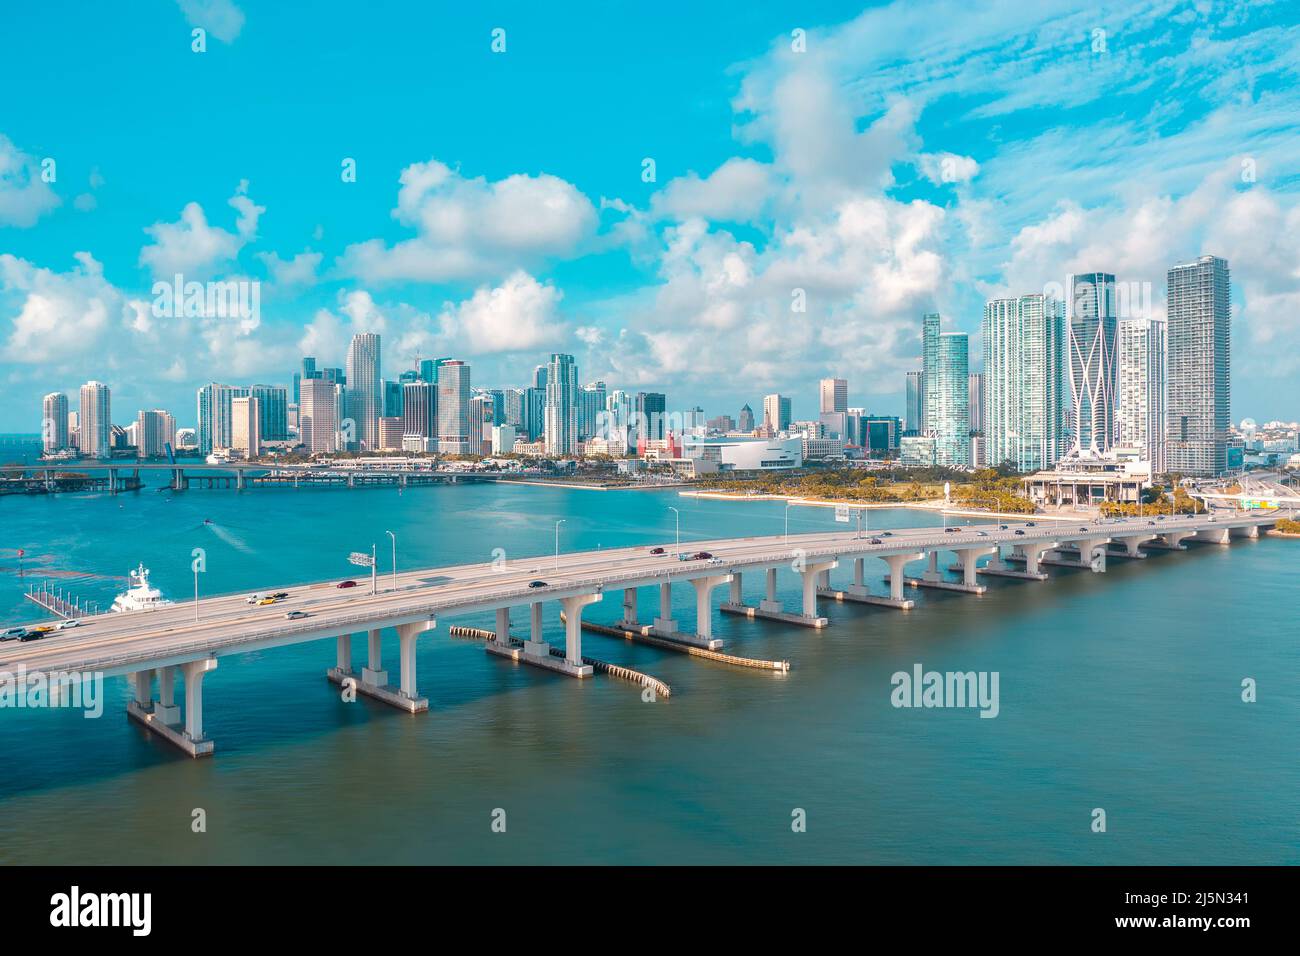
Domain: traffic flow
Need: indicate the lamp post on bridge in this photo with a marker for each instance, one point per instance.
(557, 542)
(679, 526)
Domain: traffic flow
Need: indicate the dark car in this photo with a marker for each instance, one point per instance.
(346, 584)
(1029, 524)
(701, 556)
(1083, 529)
(656, 550)
(1002, 527)
(1152, 523)
(886, 534)
(32, 636)
(876, 541)
(537, 584)
(280, 595)
(950, 530)
(1018, 531)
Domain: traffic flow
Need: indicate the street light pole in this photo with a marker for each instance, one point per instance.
(679, 526)
(394, 537)
(557, 542)
(787, 522)
(196, 595)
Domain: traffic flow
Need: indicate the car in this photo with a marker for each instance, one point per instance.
(280, 595)
(13, 634)
(715, 560)
(950, 530)
(656, 550)
(1029, 524)
(70, 622)
(32, 636)
(983, 534)
(266, 601)
(346, 584)
(1160, 517)
(875, 541)
(1081, 528)
(294, 615)
(701, 556)
(44, 628)
(1003, 527)
(253, 599)
(1152, 523)
(1211, 518)
(537, 584)
(1019, 531)
(886, 534)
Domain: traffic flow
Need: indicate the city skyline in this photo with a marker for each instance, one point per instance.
(809, 263)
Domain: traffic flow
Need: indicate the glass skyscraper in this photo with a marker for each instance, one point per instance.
(561, 405)
(1140, 410)
(1199, 316)
(364, 395)
(1094, 363)
(947, 392)
(1026, 381)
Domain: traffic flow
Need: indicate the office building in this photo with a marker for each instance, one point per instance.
(54, 422)
(746, 420)
(364, 395)
(246, 426)
(454, 431)
(1026, 382)
(947, 396)
(155, 430)
(95, 435)
(318, 420)
(650, 417)
(913, 414)
(977, 403)
(273, 409)
(776, 412)
(834, 395)
(561, 431)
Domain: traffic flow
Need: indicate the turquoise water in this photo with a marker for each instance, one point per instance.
(1118, 690)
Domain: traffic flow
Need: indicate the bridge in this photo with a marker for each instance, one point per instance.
(181, 643)
(114, 475)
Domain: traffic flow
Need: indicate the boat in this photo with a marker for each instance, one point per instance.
(140, 596)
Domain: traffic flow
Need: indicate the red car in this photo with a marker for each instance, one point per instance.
(701, 555)
(346, 584)
(656, 550)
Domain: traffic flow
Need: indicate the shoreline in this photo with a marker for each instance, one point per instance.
(874, 505)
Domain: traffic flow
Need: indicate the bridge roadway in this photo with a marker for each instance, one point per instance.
(170, 642)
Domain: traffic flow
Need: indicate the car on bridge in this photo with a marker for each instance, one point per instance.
(33, 636)
(1019, 531)
(70, 622)
(656, 550)
(253, 599)
(13, 634)
(346, 584)
(537, 584)
(280, 595)
(876, 541)
(267, 600)
(295, 615)
(702, 556)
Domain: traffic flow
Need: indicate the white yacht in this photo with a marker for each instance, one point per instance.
(140, 596)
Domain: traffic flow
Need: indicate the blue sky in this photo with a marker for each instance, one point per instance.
(911, 157)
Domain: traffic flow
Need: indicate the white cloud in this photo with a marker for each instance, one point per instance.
(473, 228)
(298, 271)
(944, 168)
(24, 195)
(60, 314)
(736, 191)
(521, 313)
(221, 18)
(194, 248)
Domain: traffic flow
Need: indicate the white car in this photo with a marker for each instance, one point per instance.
(253, 599)
(70, 622)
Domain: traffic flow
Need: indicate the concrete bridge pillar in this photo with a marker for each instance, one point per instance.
(629, 606)
(664, 623)
(769, 602)
(1034, 554)
(932, 572)
(859, 573)
(143, 689)
(503, 626)
(812, 574)
(969, 558)
(1173, 540)
(703, 604)
(1214, 535)
(112, 481)
(166, 710)
(375, 675)
(193, 672)
(406, 635)
(573, 629)
(1250, 531)
(737, 595)
(1132, 543)
(896, 563)
(535, 624)
(239, 479)
(345, 654)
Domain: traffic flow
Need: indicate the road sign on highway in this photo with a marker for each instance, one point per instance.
(842, 513)
(361, 559)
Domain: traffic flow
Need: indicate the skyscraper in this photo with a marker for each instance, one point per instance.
(364, 395)
(318, 424)
(745, 421)
(453, 399)
(561, 405)
(914, 414)
(1026, 379)
(155, 430)
(1140, 409)
(591, 403)
(246, 426)
(1199, 355)
(54, 422)
(96, 435)
(776, 411)
(1093, 360)
(947, 395)
(418, 414)
(214, 413)
(834, 395)
(273, 411)
(650, 416)
(977, 403)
